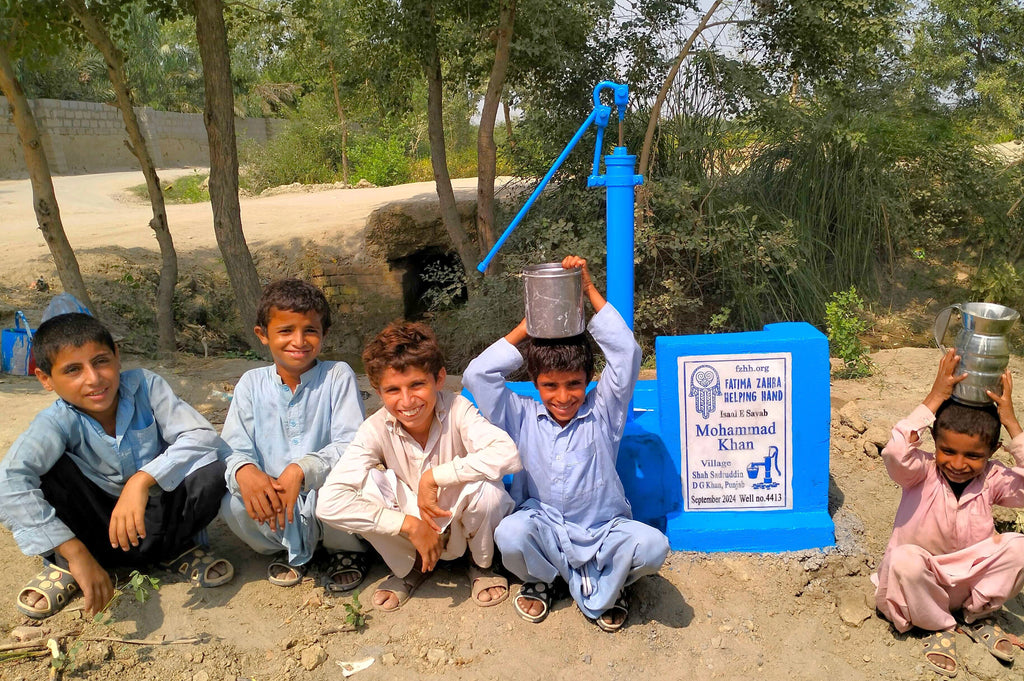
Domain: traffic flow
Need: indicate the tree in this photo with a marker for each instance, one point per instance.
(486, 154)
(98, 35)
(970, 52)
(219, 116)
(13, 36)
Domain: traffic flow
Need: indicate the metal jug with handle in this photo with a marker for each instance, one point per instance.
(982, 346)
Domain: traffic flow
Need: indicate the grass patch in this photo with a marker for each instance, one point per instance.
(185, 189)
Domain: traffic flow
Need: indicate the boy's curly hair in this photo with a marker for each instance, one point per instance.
(980, 421)
(558, 354)
(73, 329)
(402, 345)
(293, 295)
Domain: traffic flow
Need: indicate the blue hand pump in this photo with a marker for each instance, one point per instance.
(619, 180)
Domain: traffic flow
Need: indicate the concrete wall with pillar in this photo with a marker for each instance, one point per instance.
(89, 137)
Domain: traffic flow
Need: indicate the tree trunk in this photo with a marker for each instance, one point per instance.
(486, 151)
(44, 200)
(508, 121)
(219, 116)
(439, 160)
(652, 123)
(114, 59)
(341, 120)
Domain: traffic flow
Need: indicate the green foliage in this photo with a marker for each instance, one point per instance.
(845, 324)
(446, 284)
(141, 585)
(301, 153)
(185, 189)
(382, 161)
(1000, 282)
(354, 615)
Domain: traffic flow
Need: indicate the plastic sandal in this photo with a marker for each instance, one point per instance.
(621, 605)
(485, 578)
(281, 566)
(195, 565)
(537, 591)
(344, 562)
(989, 634)
(402, 587)
(943, 644)
(56, 586)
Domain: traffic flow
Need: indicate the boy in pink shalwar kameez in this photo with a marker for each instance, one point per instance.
(944, 554)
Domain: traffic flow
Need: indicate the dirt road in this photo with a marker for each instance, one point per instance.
(96, 213)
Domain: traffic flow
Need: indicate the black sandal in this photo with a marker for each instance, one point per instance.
(344, 562)
(537, 591)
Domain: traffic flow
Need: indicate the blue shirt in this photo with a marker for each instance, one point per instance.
(569, 473)
(156, 432)
(270, 426)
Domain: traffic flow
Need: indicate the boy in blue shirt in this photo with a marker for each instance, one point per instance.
(288, 424)
(119, 472)
(572, 519)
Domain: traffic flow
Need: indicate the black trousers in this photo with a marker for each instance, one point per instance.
(172, 518)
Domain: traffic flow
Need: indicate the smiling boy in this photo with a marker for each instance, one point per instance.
(945, 556)
(119, 472)
(572, 519)
(422, 479)
(288, 424)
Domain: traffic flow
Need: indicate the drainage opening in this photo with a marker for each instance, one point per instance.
(434, 280)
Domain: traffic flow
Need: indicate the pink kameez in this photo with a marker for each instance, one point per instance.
(944, 553)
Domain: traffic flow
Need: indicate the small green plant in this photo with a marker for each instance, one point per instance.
(844, 324)
(138, 585)
(354, 615)
(141, 585)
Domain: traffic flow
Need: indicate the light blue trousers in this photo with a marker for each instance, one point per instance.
(298, 538)
(531, 550)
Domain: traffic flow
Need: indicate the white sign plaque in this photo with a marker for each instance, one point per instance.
(735, 422)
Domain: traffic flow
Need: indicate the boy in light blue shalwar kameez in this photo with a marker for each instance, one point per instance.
(288, 425)
(572, 519)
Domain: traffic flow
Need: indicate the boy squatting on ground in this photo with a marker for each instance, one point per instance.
(422, 479)
(572, 519)
(944, 553)
(118, 472)
(288, 424)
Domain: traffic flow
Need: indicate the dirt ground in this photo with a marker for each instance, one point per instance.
(778, 617)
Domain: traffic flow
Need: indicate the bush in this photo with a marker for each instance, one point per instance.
(301, 153)
(844, 322)
(381, 160)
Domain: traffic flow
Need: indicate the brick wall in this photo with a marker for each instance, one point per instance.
(86, 137)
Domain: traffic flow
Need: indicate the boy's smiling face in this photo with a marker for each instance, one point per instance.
(294, 340)
(411, 396)
(562, 393)
(959, 456)
(87, 377)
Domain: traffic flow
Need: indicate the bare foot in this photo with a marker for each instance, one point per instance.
(385, 600)
(277, 570)
(218, 569)
(614, 617)
(33, 599)
(345, 578)
(492, 594)
(531, 606)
